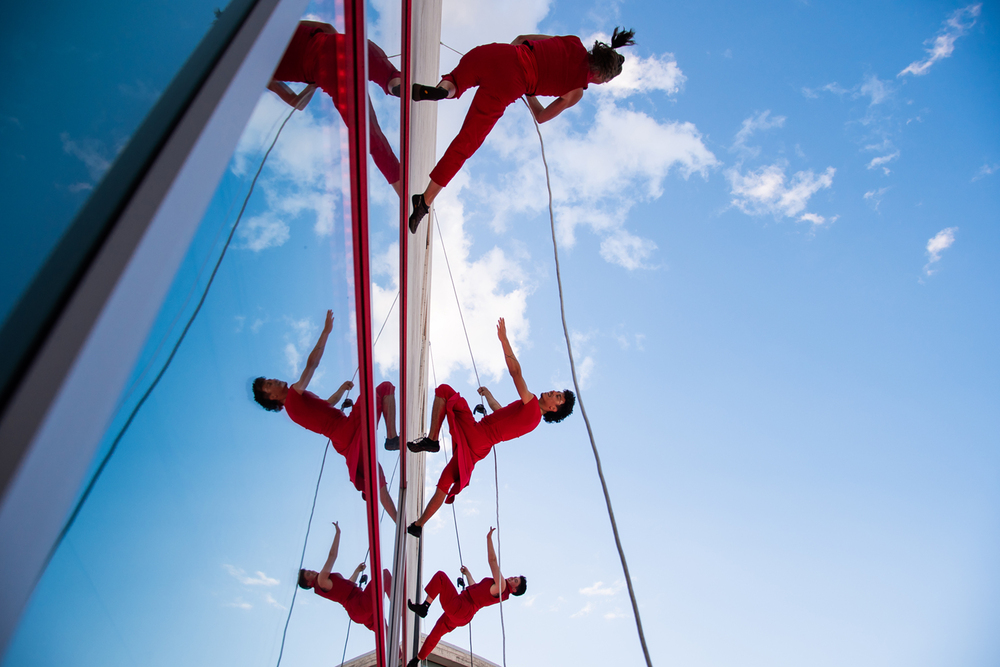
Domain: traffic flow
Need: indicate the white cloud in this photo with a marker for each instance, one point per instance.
(598, 174)
(986, 170)
(260, 579)
(644, 75)
(874, 197)
(239, 604)
(751, 125)
(298, 340)
(883, 160)
(598, 588)
(627, 250)
(274, 603)
(764, 191)
(874, 88)
(262, 232)
(301, 178)
(587, 608)
(612, 615)
(943, 44)
(938, 244)
(90, 152)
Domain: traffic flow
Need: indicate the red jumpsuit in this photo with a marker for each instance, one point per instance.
(505, 72)
(357, 601)
(472, 440)
(314, 56)
(458, 608)
(312, 412)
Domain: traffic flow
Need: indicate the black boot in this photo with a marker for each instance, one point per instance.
(420, 209)
(419, 609)
(422, 92)
(424, 445)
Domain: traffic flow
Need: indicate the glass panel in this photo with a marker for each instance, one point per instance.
(187, 547)
(75, 87)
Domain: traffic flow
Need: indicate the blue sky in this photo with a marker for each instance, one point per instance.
(779, 247)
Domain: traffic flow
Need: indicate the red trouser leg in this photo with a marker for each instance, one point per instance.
(441, 628)
(381, 150)
(495, 68)
(380, 70)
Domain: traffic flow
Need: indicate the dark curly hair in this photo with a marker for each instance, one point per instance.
(563, 411)
(302, 580)
(263, 399)
(523, 586)
(605, 60)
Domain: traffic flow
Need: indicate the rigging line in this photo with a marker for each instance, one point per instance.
(440, 237)
(500, 584)
(187, 299)
(170, 357)
(579, 398)
(448, 47)
(379, 335)
(302, 558)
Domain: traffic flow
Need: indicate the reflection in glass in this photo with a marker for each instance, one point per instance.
(187, 549)
(324, 417)
(316, 56)
(76, 86)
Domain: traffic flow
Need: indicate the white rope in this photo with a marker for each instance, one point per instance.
(579, 398)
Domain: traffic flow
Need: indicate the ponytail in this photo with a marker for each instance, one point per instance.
(605, 60)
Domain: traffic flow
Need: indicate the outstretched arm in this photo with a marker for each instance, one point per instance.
(498, 582)
(492, 402)
(289, 97)
(315, 356)
(469, 581)
(555, 107)
(347, 386)
(324, 575)
(513, 367)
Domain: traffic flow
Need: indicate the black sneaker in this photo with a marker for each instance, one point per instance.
(422, 92)
(420, 209)
(415, 530)
(413, 663)
(392, 444)
(424, 445)
(394, 91)
(419, 609)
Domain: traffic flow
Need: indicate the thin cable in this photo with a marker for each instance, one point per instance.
(303, 556)
(170, 358)
(579, 398)
(501, 585)
(457, 302)
(451, 49)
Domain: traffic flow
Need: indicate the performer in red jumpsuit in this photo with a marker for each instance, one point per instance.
(472, 440)
(459, 608)
(322, 416)
(316, 56)
(531, 65)
(357, 601)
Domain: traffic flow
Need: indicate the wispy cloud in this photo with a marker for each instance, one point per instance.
(882, 160)
(263, 232)
(986, 170)
(942, 45)
(875, 89)
(755, 123)
(239, 604)
(259, 578)
(274, 603)
(936, 245)
(764, 192)
(587, 608)
(598, 588)
(874, 197)
(90, 152)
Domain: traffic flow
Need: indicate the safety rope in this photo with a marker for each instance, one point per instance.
(173, 352)
(496, 474)
(579, 397)
(302, 558)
